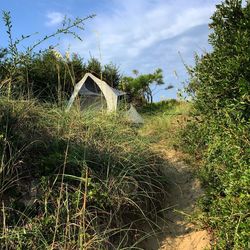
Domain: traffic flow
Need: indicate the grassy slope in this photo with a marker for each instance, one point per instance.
(71, 180)
(95, 178)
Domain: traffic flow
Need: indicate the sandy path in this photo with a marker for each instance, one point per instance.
(177, 233)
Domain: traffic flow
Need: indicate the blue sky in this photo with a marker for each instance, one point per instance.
(133, 34)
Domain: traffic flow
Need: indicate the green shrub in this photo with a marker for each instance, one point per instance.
(220, 86)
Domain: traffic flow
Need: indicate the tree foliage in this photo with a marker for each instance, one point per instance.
(50, 76)
(111, 75)
(139, 86)
(220, 86)
(16, 64)
(108, 72)
(94, 67)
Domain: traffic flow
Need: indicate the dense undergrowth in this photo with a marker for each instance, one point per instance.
(218, 134)
(74, 180)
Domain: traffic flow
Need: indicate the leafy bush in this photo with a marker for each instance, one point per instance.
(220, 86)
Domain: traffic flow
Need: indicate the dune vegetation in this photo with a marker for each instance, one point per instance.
(88, 179)
(74, 180)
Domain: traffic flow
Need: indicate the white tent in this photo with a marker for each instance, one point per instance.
(96, 92)
(92, 89)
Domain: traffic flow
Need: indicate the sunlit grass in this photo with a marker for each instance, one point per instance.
(164, 122)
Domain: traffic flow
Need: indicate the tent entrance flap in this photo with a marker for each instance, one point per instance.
(90, 88)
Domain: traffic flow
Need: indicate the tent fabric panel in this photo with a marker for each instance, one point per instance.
(133, 116)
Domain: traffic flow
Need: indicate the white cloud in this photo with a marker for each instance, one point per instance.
(133, 26)
(54, 18)
(137, 34)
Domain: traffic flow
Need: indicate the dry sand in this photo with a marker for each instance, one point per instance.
(184, 189)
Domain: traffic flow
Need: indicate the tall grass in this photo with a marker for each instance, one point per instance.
(77, 180)
(164, 121)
